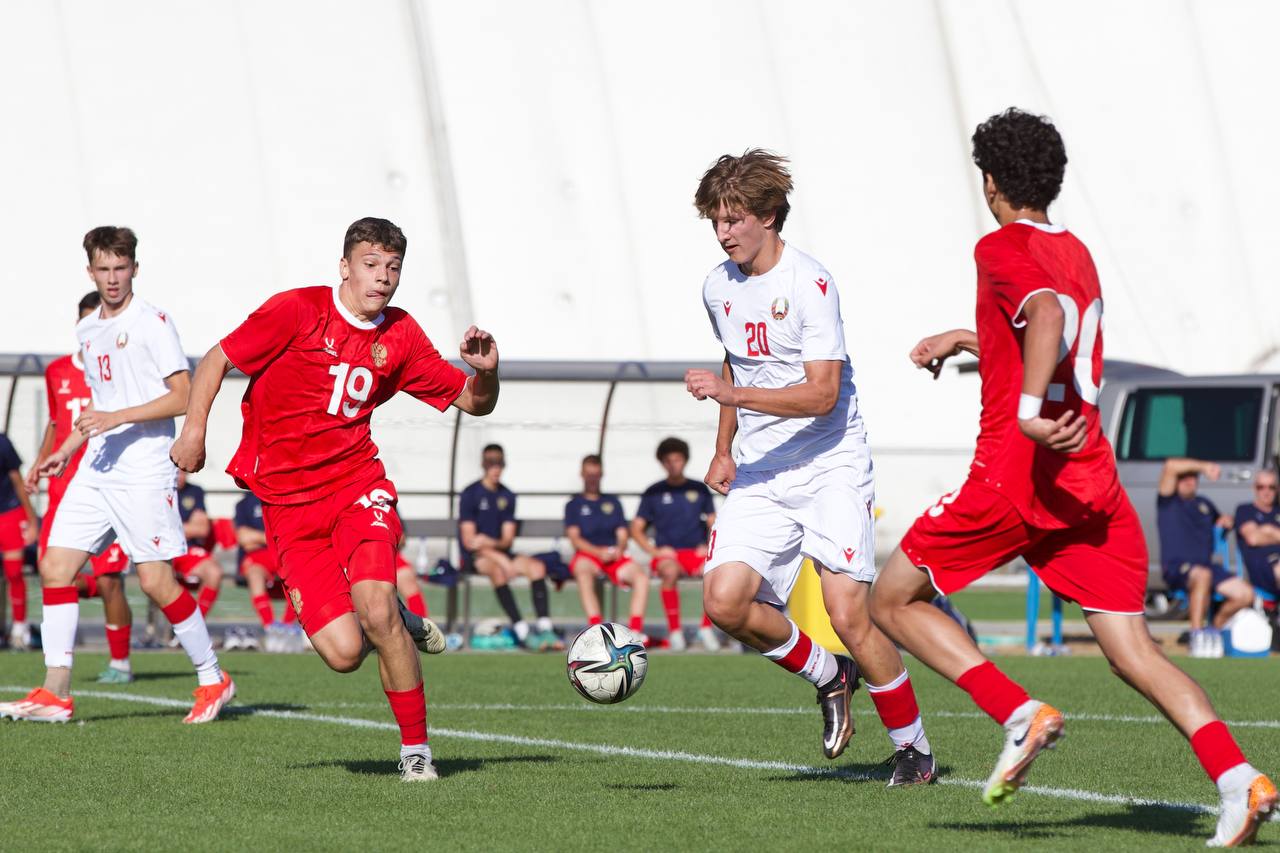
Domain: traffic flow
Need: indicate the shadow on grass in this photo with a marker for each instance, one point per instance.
(444, 766)
(174, 713)
(1135, 818)
(878, 772)
(160, 676)
(656, 786)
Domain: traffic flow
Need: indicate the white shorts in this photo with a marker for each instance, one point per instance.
(144, 521)
(771, 520)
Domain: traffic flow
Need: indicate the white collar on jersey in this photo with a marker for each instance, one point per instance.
(75, 359)
(352, 318)
(1046, 227)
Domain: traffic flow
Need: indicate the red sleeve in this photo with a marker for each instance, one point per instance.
(49, 392)
(1014, 275)
(429, 377)
(265, 333)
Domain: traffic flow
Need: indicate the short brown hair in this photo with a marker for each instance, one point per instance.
(376, 232)
(592, 459)
(111, 240)
(758, 182)
(673, 445)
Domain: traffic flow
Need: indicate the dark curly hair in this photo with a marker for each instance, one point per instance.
(1023, 153)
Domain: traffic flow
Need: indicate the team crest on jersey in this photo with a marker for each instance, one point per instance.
(296, 598)
(122, 340)
(379, 354)
(606, 508)
(691, 496)
(779, 308)
(502, 504)
(188, 503)
(1204, 508)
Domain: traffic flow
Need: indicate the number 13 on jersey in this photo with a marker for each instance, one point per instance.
(348, 381)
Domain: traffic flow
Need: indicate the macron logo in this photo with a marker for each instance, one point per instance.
(822, 285)
(160, 314)
(727, 306)
(848, 555)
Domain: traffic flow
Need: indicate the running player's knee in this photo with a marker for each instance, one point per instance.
(156, 585)
(379, 618)
(343, 656)
(728, 613)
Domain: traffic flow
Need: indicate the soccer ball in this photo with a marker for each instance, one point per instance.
(607, 663)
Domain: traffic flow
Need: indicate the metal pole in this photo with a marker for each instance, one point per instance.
(13, 386)
(604, 419)
(1033, 607)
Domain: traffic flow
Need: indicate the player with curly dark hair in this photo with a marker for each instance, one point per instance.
(1043, 485)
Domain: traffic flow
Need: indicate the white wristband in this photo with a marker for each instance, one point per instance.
(1029, 407)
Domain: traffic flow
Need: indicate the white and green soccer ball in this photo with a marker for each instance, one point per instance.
(607, 663)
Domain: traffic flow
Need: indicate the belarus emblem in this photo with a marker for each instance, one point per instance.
(122, 340)
(379, 353)
(779, 308)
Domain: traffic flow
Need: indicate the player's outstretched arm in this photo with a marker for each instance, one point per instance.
(480, 352)
(188, 451)
(932, 352)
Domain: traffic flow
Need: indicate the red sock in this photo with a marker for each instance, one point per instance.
(17, 589)
(1216, 749)
(992, 691)
(417, 604)
(671, 604)
(90, 586)
(262, 604)
(410, 710)
(180, 609)
(118, 641)
(897, 707)
(636, 623)
(208, 595)
(706, 620)
(594, 620)
(290, 615)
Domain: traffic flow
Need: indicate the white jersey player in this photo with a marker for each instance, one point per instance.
(124, 488)
(800, 484)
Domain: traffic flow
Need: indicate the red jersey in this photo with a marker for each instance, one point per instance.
(68, 395)
(1050, 490)
(316, 375)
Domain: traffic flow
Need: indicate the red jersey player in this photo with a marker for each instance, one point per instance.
(320, 359)
(1043, 484)
(68, 396)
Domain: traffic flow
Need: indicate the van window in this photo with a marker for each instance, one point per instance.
(1219, 424)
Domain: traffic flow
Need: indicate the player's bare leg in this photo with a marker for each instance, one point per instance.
(881, 667)
(398, 662)
(636, 576)
(341, 643)
(729, 595)
(500, 570)
(1199, 590)
(585, 574)
(900, 607)
(119, 625)
(1237, 594)
(215, 688)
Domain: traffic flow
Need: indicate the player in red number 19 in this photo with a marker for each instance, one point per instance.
(1043, 485)
(320, 359)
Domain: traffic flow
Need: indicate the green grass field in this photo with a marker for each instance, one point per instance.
(714, 752)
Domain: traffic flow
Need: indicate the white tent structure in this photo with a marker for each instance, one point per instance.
(542, 158)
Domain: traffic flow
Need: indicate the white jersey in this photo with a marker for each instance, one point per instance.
(126, 359)
(770, 325)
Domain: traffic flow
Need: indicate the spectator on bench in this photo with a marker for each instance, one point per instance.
(1186, 521)
(1258, 533)
(486, 531)
(261, 571)
(597, 529)
(198, 564)
(680, 511)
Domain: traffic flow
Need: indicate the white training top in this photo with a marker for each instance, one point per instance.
(770, 325)
(126, 359)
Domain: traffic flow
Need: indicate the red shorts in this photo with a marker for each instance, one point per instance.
(610, 569)
(13, 524)
(110, 562)
(690, 559)
(314, 542)
(1101, 565)
(264, 559)
(186, 564)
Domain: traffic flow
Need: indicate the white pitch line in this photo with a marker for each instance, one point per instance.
(638, 752)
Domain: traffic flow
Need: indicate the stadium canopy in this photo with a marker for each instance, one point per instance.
(542, 158)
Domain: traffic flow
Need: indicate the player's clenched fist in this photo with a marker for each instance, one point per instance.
(721, 474)
(703, 384)
(187, 453)
(479, 350)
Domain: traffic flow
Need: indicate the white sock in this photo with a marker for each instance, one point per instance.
(416, 749)
(1236, 779)
(820, 666)
(193, 634)
(19, 624)
(544, 623)
(522, 630)
(58, 633)
(122, 665)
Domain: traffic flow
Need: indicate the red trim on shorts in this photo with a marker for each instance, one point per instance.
(326, 613)
(372, 563)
